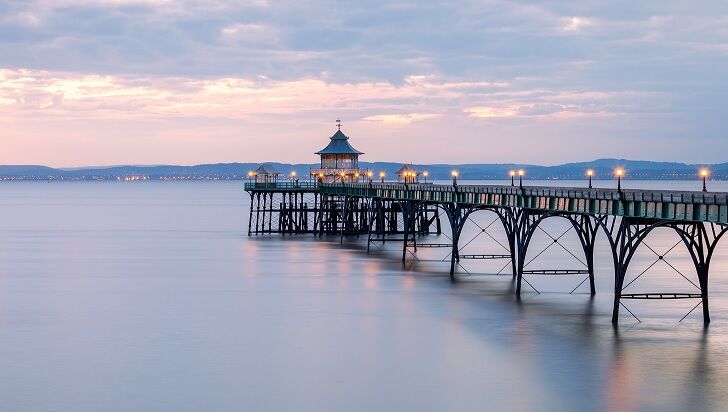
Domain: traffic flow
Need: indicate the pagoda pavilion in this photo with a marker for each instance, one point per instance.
(263, 174)
(339, 160)
(407, 174)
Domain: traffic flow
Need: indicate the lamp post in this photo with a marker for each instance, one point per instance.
(513, 177)
(704, 174)
(454, 175)
(521, 173)
(590, 173)
(369, 175)
(381, 176)
(619, 172)
(425, 174)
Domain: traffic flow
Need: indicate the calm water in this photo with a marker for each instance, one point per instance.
(149, 297)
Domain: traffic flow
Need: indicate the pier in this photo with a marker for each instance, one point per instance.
(405, 213)
(340, 199)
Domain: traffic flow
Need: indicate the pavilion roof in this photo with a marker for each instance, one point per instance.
(339, 145)
(265, 170)
(406, 169)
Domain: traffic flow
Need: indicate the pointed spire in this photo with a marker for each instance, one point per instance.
(338, 123)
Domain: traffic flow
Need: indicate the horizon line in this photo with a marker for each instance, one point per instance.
(71, 168)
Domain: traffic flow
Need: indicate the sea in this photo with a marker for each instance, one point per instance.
(150, 296)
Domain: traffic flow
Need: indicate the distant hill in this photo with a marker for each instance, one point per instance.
(603, 168)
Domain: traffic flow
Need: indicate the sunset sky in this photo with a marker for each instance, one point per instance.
(94, 82)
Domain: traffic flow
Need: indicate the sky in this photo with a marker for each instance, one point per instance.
(109, 82)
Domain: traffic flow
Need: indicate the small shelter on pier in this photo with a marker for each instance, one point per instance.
(407, 174)
(264, 174)
(339, 160)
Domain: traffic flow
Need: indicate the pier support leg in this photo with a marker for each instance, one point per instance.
(454, 213)
(250, 216)
(700, 240)
(409, 215)
(344, 218)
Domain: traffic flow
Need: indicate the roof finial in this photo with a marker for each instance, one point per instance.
(338, 123)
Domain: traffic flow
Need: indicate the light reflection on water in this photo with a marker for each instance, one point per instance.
(150, 297)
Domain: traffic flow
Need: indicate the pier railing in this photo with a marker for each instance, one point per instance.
(657, 204)
(280, 185)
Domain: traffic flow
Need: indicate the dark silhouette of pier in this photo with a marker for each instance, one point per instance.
(408, 213)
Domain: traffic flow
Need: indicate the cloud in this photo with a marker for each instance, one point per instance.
(577, 24)
(491, 63)
(37, 93)
(485, 112)
(402, 118)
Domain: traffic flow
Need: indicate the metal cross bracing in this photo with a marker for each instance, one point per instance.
(389, 212)
(290, 212)
(494, 224)
(700, 240)
(401, 221)
(529, 223)
(426, 222)
(342, 215)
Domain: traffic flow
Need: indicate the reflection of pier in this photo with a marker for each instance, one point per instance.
(405, 213)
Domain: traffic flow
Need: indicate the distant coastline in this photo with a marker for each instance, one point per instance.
(603, 168)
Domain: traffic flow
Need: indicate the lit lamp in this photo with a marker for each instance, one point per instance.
(704, 173)
(454, 175)
(321, 177)
(381, 176)
(590, 173)
(513, 177)
(619, 172)
(343, 175)
(521, 173)
(369, 175)
(356, 175)
(425, 174)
